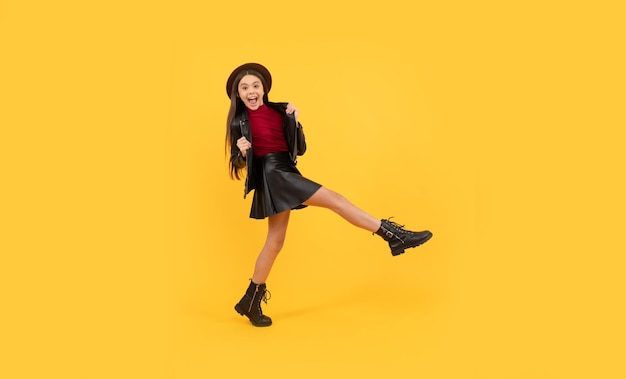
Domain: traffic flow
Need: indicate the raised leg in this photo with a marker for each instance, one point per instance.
(344, 208)
(399, 239)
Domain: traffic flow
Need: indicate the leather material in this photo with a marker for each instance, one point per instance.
(240, 126)
(399, 238)
(279, 186)
(250, 305)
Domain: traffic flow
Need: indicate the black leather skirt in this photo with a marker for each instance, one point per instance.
(278, 186)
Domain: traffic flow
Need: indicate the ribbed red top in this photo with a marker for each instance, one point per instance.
(266, 126)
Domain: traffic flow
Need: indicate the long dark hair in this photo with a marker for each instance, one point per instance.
(236, 107)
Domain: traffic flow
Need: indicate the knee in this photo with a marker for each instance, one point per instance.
(275, 244)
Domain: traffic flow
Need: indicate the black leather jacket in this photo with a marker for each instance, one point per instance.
(240, 126)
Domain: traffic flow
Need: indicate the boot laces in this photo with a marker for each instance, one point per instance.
(399, 227)
(266, 296)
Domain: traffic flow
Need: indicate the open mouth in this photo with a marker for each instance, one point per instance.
(252, 101)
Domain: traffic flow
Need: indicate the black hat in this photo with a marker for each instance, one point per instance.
(249, 66)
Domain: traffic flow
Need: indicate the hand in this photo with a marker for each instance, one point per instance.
(292, 109)
(243, 144)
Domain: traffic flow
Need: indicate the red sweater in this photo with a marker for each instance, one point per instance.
(266, 127)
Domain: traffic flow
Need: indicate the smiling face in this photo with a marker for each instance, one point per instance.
(251, 91)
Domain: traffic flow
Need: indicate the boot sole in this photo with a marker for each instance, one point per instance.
(398, 252)
(243, 313)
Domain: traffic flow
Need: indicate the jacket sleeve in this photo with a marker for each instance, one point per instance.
(238, 160)
(301, 140)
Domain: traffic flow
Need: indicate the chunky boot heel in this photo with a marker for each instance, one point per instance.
(399, 238)
(239, 309)
(250, 304)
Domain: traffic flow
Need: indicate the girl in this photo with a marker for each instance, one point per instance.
(265, 139)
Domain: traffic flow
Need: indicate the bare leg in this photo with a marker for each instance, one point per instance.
(276, 232)
(343, 207)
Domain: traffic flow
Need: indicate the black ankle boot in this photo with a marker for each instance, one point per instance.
(399, 238)
(250, 304)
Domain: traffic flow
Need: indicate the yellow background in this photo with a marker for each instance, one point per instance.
(497, 125)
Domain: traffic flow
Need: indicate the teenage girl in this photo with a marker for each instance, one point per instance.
(264, 138)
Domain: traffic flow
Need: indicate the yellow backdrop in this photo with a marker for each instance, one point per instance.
(499, 127)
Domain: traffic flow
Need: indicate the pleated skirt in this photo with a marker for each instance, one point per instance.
(278, 186)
